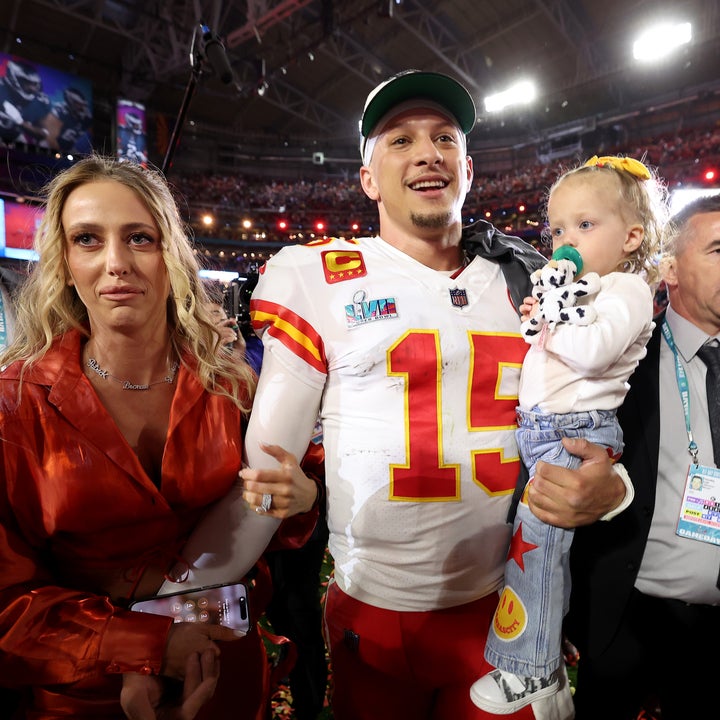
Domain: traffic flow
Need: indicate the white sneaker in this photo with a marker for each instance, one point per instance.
(502, 693)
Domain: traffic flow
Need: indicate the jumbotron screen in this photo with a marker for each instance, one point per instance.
(131, 132)
(18, 222)
(43, 106)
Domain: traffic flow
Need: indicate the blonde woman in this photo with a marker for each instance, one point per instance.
(120, 425)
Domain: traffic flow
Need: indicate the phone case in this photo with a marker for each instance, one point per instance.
(225, 605)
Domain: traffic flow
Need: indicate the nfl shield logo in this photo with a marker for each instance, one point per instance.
(458, 297)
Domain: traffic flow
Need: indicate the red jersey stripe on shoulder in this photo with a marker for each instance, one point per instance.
(292, 330)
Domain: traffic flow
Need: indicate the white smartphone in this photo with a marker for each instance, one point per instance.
(225, 605)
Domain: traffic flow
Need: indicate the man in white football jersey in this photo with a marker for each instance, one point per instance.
(408, 347)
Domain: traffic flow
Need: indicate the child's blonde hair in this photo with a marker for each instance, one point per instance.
(644, 195)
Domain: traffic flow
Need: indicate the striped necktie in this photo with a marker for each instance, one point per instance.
(710, 355)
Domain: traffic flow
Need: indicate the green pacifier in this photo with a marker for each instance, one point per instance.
(567, 252)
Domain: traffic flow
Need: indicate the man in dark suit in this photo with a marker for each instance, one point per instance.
(645, 605)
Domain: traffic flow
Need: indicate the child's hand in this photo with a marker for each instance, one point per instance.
(528, 309)
(228, 330)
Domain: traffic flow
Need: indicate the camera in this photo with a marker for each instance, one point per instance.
(236, 301)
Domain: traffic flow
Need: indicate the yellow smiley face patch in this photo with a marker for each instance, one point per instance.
(510, 618)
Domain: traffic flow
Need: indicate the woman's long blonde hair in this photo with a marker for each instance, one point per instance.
(48, 307)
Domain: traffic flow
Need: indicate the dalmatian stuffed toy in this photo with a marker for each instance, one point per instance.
(557, 292)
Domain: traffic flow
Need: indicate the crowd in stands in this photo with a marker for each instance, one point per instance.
(678, 158)
(273, 195)
(339, 202)
(246, 211)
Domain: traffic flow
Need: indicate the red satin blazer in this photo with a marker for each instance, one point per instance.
(79, 514)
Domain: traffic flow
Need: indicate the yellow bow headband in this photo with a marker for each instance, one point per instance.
(630, 165)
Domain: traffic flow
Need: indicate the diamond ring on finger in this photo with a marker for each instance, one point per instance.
(266, 503)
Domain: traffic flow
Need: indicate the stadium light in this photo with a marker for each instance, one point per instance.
(521, 93)
(660, 40)
(224, 276)
(681, 197)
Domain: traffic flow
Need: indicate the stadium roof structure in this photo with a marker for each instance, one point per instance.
(302, 68)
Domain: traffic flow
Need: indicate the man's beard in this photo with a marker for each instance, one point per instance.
(432, 222)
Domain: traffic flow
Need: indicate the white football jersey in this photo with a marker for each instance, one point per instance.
(418, 373)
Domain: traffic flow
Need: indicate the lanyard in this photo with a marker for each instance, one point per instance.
(683, 388)
(3, 324)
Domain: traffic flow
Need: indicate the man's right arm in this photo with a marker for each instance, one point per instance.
(284, 413)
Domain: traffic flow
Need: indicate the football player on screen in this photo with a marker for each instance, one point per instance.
(23, 104)
(69, 123)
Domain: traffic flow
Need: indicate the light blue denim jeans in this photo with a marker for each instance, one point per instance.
(543, 583)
